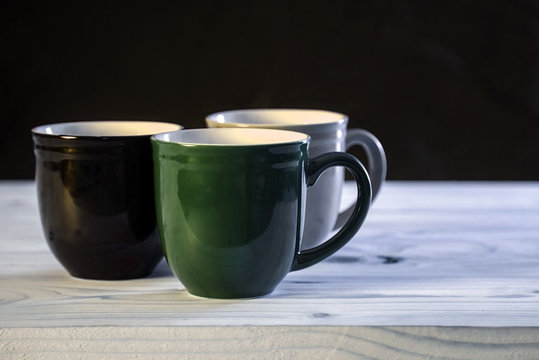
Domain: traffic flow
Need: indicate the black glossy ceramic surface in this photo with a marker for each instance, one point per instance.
(97, 205)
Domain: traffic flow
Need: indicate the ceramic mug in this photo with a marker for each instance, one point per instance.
(328, 131)
(230, 207)
(95, 190)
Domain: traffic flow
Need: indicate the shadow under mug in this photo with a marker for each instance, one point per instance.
(328, 132)
(96, 199)
(230, 207)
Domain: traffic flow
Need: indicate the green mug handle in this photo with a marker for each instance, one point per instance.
(315, 167)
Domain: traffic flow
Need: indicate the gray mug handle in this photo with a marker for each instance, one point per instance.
(377, 165)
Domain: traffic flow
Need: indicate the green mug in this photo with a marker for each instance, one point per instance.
(231, 206)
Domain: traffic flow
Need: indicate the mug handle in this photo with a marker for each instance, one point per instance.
(377, 163)
(315, 167)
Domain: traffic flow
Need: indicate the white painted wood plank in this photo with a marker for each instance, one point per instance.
(440, 270)
(280, 342)
(463, 259)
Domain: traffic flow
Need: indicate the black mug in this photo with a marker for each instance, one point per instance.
(96, 199)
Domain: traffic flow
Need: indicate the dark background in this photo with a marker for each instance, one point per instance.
(450, 88)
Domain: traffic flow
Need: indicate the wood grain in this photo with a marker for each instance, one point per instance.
(279, 342)
(440, 270)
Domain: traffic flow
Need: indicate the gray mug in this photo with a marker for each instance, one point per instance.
(328, 131)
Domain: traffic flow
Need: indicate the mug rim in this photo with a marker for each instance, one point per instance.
(231, 137)
(325, 118)
(143, 129)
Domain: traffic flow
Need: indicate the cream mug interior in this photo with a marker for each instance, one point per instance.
(105, 129)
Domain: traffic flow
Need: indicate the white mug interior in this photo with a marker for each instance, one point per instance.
(106, 128)
(268, 118)
(232, 136)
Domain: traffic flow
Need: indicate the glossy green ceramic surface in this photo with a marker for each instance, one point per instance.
(230, 217)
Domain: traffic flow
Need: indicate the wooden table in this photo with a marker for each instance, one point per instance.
(440, 270)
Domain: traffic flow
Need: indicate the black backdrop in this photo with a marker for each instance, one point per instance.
(450, 88)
